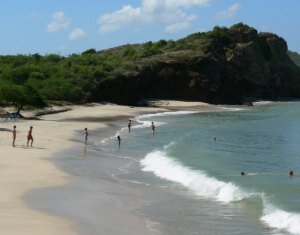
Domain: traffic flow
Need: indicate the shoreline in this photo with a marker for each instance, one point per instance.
(103, 204)
(24, 169)
(54, 134)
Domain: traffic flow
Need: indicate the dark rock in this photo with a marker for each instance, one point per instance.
(241, 33)
(254, 65)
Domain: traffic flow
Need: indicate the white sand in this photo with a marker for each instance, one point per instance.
(177, 103)
(23, 169)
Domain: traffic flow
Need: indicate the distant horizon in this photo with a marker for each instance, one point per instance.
(72, 27)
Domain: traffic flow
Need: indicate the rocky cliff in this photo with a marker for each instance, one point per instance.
(225, 65)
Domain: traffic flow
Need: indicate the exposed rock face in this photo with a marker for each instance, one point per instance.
(254, 65)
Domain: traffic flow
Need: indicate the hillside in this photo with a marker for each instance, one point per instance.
(295, 57)
(225, 65)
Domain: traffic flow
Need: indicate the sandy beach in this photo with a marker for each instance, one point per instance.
(24, 169)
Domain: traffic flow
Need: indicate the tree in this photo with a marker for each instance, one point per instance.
(21, 96)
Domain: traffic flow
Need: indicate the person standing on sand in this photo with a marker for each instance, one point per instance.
(152, 127)
(86, 134)
(29, 136)
(14, 133)
(129, 125)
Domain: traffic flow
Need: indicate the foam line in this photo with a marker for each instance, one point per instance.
(209, 187)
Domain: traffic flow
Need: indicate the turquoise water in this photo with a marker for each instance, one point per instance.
(262, 141)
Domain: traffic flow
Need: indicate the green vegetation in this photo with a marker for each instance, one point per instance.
(19, 96)
(34, 80)
(295, 57)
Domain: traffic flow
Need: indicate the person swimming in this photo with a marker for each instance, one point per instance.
(243, 173)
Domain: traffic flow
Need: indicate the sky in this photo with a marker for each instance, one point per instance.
(72, 26)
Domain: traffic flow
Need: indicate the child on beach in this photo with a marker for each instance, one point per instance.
(86, 134)
(14, 133)
(29, 136)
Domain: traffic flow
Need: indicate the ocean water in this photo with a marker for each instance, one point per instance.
(192, 182)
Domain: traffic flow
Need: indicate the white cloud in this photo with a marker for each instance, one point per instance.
(77, 34)
(229, 13)
(170, 13)
(113, 21)
(154, 5)
(173, 28)
(59, 22)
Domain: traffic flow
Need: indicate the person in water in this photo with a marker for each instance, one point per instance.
(129, 125)
(243, 173)
(291, 173)
(86, 134)
(152, 127)
(30, 137)
(119, 140)
(14, 133)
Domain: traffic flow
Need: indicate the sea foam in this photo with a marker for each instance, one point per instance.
(280, 219)
(166, 114)
(232, 109)
(197, 181)
(146, 123)
(209, 187)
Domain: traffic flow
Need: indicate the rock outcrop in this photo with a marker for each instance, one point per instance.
(247, 65)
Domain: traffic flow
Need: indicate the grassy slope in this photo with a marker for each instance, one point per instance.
(295, 57)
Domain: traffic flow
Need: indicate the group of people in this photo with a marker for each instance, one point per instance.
(130, 124)
(118, 137)
(29, 136)
(129, 129)
(86, 134)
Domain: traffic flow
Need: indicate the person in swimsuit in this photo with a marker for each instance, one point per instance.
(86, 134)
(152, 127)
(129, 125)
(14, 133)
(29, 136)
